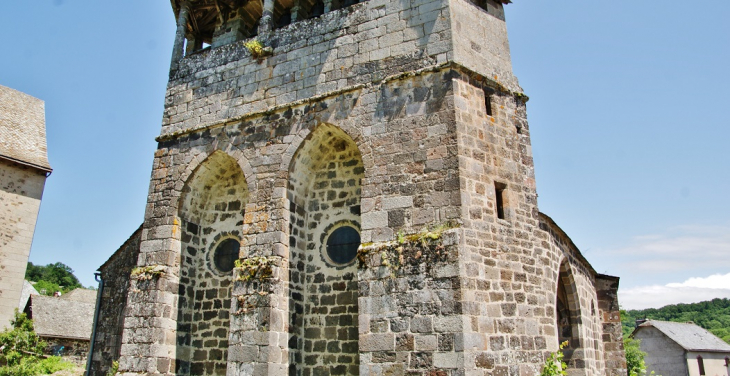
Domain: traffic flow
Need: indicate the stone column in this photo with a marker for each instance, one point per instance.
(195, 43)
(296, 12)
(614, 355)
(267, 18)
(179, 45)
(259, 315)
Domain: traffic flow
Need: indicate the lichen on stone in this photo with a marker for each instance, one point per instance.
(146, 273)
(424, 247)
(255, 268)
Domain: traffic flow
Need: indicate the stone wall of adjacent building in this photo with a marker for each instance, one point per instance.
(664, 356)
(613, 340)
(21, 188)
(72, 350)
(714, 363)
(387, 117)
(110, 323)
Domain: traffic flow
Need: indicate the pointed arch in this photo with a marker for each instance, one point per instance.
(568, 319)
(353, 133)
(324, 189)
(211, 210)
(199, 159)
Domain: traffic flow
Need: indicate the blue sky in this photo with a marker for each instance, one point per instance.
(628, 115)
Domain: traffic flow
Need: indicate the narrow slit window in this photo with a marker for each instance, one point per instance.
(701, 364)
(499, 189)
(488, 102)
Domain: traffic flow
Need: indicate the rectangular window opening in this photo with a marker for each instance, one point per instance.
(499, 196)
(488, 102)
(701, 364)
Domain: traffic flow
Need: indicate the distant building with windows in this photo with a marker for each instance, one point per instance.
(24, 168)
(682, 349)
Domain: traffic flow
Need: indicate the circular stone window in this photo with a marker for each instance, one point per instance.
(226, 254)
(342, 245)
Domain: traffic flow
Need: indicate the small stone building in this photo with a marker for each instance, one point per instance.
(23, 171)
(347, 188)
(65, 323)
(682, 349)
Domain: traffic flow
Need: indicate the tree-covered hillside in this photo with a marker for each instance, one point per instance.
(713, 315)
(52, 278)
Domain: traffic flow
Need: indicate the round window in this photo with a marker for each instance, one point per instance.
(342, 245)
(226, 254)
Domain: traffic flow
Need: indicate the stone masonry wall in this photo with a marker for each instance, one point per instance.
(116, 275)
(324, 194)
(413, 184)
(511, 264)
(586, 345)
(471, 27)
(211, 212)
(507, 293)
(410, 308)
(356, 45)
(608, 308)
(430, 130)
(21, 188)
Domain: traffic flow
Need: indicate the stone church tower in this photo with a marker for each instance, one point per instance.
(346, 188)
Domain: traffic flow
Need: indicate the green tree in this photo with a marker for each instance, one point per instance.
(21, 351)
(713, 315)
(52, 277)
(20, 341)
(634, 357)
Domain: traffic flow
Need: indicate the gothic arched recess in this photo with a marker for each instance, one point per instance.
(324, 194)
(568, 320)
(211, 215)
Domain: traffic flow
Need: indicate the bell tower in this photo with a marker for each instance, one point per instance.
(347, 188)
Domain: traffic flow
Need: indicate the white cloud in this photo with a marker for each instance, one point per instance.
(680, 251)
(692, 290)
(715, 281)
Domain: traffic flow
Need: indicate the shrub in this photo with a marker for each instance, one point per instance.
(21, 351)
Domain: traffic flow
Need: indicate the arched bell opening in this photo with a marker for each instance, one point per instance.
(324, 194)
(211, 215)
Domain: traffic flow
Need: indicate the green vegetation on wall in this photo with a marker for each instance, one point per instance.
(713, 315)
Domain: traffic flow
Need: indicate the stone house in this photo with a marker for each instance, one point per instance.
(682, 349)
(65, 322)
(346, 188)
(23, 171)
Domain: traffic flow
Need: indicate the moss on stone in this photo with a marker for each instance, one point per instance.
(145, 273)
(425, 246)
(255, 268)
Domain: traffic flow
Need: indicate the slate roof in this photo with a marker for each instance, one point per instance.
(25, 294)
(81, 295)
(23, 129)
(62, 318)
(689, 336)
